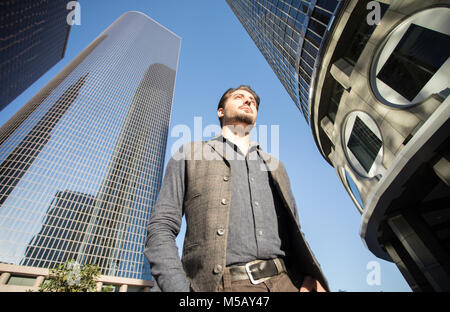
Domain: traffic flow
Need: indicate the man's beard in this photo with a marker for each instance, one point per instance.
(244, 118)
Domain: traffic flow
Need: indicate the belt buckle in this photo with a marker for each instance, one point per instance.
(250, 276)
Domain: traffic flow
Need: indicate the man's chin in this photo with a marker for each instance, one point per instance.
(242, 119)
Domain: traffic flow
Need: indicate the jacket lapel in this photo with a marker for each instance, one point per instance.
(217, 146)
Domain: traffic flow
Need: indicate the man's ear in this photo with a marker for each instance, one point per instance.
(220, 113)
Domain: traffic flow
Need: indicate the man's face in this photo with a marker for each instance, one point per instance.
(240, 107)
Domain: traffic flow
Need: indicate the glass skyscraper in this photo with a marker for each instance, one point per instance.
(290, 35)
(33, 37)
(81, 163)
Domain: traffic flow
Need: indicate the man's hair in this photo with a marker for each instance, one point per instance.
(227, 94)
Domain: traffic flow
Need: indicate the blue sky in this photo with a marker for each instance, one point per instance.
(217, 53)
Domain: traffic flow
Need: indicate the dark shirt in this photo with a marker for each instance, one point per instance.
(256, 214)
(253, 230)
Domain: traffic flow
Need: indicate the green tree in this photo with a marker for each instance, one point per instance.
(71, 277)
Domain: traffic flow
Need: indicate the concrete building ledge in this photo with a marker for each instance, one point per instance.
(40, 274)
(341, 70)
(328, 127)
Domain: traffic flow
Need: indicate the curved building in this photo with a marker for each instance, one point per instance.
(81, 163)
(376, 98)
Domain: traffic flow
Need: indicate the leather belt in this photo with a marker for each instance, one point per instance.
(257, 271)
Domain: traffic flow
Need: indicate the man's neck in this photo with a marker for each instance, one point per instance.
(239, 135)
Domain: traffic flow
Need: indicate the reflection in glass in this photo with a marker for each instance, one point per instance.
(62, 231)
(417, 57)
(81, 165)
(354, 189)
(364, 144)
(22, 157)
(105, 241)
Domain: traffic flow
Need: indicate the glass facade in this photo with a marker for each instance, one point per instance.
(81, 163)
(33, 37)
(289, 33)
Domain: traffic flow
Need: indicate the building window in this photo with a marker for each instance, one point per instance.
(21, 281)
(110, 288)
(413, 62)
(363, 144)
(354, 191)
(135, 289)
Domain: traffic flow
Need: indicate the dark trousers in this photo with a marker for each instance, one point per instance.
(277, 283)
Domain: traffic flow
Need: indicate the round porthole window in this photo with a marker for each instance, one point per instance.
(354, 191)
(413, 61)
(363, 144)
(351, 188)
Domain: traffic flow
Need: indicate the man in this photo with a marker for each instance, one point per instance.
(242, 231)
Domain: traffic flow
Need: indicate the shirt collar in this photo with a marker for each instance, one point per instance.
(253, 145)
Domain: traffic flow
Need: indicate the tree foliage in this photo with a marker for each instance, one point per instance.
(71, 277)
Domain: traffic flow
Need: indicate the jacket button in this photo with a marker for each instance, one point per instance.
(224, 201)
(218, 269)
(220, 232)
(226, 178)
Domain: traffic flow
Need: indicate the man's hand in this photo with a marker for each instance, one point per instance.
(311, 285)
